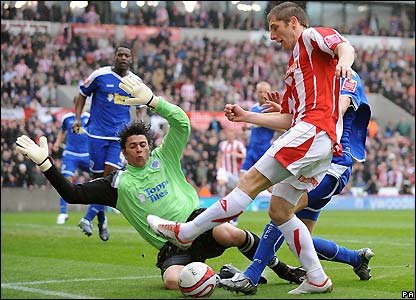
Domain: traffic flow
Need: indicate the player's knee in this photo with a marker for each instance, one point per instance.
(228, 235)
(279, 215)
(170, 284)
(170, 280)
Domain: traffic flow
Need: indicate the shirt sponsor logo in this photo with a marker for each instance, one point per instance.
(109, 85)
(157, 192)
(291, 69)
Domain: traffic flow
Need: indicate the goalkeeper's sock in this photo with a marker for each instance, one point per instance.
(101, 217)
(329, 250)
(92, 211)
(249, 247)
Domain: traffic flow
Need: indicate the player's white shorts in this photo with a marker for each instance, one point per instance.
(306, 152)
(228, 177)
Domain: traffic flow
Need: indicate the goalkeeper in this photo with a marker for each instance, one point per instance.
(153, 183)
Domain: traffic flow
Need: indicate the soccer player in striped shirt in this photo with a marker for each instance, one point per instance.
(298, 159)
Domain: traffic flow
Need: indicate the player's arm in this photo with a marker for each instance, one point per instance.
(59, 139)
(177, 137)
(98, 191)
(79, 106)
(346, 55)
(345, 102)
(272, 120)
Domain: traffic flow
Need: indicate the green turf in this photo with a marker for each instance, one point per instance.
(42, 260)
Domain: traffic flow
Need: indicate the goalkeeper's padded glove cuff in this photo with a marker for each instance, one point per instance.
(150, 101)
(46, 164)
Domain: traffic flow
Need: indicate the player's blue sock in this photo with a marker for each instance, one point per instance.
(101, 216)
(328, 250)
(92, 211)
(63, 206)
(270, 242)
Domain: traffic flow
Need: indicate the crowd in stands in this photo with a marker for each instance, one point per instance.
(390, 157)
(198, 74)
(172, 16)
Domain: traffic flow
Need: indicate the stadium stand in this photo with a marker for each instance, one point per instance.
(199, 74)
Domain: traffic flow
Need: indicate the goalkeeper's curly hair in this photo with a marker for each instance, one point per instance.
(136, 128)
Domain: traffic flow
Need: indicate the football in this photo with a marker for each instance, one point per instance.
(197, 280)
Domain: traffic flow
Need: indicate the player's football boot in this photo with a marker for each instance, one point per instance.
(62, 218)
(168, 230)
(239, 283)
(362, 270)
(289, 273)
(228, 271)
(103, 231)
(85, 226)
(307, 287)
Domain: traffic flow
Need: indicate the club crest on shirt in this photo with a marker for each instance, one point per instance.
(155, 164)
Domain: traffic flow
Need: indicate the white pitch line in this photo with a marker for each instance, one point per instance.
(46, 292)
(79, 280)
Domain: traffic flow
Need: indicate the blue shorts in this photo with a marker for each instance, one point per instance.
(73, 162)
(104, 152)
(322, 194)
(251, 158)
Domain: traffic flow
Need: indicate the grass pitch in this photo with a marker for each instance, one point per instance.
(42, 260)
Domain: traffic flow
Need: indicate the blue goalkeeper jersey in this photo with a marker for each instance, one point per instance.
(75, 143)
(107, 114)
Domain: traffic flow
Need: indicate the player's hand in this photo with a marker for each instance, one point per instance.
(343, 71)
(39, 154)
(76, 127)
(272, 103)
(142, 94)
(235, 113)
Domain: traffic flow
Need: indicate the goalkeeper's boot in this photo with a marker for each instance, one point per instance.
(86, 226)
(168, 230)
(307, 287)
(228, 271)
(362, 270)
(62, 218)
(239, 283)
(286, 272)
(103, 231)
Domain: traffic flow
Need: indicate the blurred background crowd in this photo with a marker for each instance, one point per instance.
(199, 74)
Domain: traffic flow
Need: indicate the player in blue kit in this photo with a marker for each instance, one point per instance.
(356, 115)
(74, 157)
(107, 118)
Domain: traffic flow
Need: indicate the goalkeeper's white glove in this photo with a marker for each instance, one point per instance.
(39, 154)
(142, 94)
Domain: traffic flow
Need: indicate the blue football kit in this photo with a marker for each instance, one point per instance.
(75, 156)
(108, 117)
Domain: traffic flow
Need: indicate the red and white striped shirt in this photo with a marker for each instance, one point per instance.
(229, 155)
(311, 88)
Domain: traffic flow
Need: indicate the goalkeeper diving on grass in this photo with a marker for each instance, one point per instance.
(153, 183)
